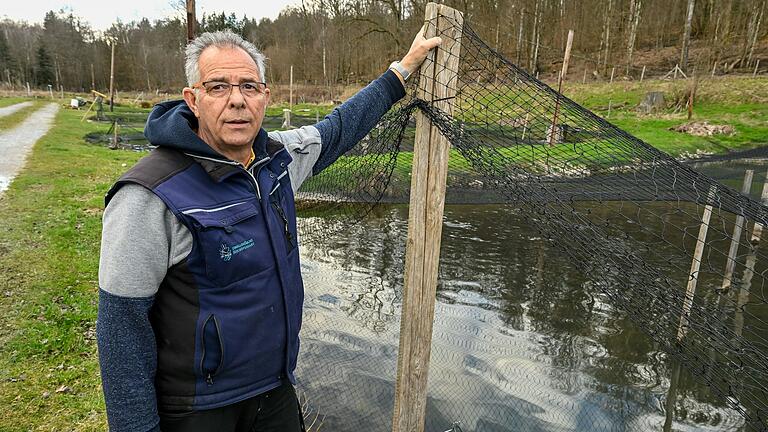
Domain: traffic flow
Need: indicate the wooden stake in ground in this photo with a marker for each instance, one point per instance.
(613, 70)
(112, 79)
(290, 87)
(554, 133)
(757, 66)
(693, 277)
(692, 94)
(438, 77)
(642, 74)
(738, 227)
(749, 268)
(191, 20)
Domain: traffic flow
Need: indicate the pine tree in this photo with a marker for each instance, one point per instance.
(44, 67)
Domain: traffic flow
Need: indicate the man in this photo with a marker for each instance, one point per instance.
(201, 294)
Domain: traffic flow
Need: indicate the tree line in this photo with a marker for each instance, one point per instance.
(351, 41)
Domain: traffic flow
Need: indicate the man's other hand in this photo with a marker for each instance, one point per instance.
(418, 52)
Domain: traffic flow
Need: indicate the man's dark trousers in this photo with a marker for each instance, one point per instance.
(274, 411)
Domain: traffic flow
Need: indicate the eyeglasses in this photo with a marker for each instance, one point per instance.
(220, 89)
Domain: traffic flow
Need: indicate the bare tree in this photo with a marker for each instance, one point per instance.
(687, 35)
(634, 20)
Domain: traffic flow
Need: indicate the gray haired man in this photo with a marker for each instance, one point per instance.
(200, 296)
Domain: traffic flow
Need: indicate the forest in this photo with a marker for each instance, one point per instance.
(331, 42)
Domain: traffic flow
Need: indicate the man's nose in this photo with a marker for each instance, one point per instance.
(236, 99)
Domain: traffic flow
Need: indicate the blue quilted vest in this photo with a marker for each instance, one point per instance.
(227, 318)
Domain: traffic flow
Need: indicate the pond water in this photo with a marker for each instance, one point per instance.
(521, 342)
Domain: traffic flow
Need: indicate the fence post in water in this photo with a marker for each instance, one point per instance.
(738, 227)
(438, 78)
(749, 270)
(693, 277)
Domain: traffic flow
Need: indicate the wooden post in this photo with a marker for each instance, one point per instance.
(114, 139)
(584, 79)
(112, 79)
(29, 90)
(693, 277)
(738, 227)
(290, 87)
(567, 56)
(553, 134)
(191, 20)
(642, 74)
(749, 270)
(757, 65)
(286, 119)
(714, 68)
(438, 78)
(613, 70)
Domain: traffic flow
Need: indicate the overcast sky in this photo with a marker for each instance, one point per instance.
(100, 14)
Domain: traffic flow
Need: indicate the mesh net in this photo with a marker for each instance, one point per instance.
(672, 254)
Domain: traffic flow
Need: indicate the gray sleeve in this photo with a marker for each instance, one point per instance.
(140, 240)
(304, 146)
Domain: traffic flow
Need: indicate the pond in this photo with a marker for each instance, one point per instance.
(521, 340)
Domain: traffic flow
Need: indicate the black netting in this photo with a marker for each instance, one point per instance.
(622, 216)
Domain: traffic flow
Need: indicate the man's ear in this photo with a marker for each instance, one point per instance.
(190, 97)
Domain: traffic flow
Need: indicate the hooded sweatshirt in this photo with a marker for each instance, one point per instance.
(143, 238)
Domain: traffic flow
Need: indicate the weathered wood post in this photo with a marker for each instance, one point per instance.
(553, 133)
(112, 78)
(191, 20)
(693, 277)
(438, 79)
(749, 271)
(738, 227)
(642, 74)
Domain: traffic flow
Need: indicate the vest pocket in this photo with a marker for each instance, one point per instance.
(212, 346)
(231, 240)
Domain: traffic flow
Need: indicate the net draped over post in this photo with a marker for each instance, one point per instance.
(597, 195)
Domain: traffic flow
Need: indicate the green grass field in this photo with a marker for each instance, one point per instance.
(49, 379)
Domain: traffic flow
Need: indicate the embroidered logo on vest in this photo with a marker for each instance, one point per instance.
(226, 252)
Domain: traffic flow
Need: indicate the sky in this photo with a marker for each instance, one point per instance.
(102, 13)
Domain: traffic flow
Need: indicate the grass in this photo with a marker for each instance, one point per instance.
(49, 377)
(739, 102)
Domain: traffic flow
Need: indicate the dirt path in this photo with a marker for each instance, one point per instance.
(10, 109)
(15, 143)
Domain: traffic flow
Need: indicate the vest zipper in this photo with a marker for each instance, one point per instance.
(210, 374)
(281, 213)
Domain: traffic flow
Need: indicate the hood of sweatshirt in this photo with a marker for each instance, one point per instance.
(172, 125)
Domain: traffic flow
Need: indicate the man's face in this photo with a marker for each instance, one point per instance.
(228, 124)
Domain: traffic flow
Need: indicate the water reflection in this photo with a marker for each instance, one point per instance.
(525, 338)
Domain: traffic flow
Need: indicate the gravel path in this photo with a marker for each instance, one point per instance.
(10, 109)
(15, 143)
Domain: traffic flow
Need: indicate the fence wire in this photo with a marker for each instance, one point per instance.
(626, 218)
